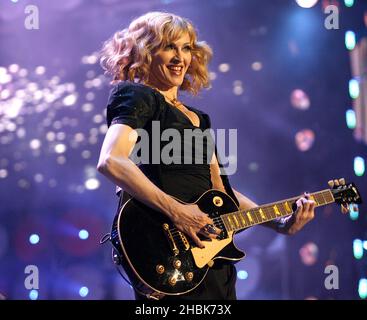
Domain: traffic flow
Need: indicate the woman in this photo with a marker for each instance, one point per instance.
(157, 55)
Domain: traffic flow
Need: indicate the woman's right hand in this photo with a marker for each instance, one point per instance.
(189, 219)
(115, 164)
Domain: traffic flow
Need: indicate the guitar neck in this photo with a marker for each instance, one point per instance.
(242, 219)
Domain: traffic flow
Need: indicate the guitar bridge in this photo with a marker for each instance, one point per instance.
(170, 239)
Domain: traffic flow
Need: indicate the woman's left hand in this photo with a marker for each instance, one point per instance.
(304, 214)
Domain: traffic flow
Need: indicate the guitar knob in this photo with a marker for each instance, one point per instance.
(189, 276)
(177, 264)
(159, 268)
(218, 201)
(172, 281)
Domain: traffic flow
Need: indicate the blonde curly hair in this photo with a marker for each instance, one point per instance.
(127, 55)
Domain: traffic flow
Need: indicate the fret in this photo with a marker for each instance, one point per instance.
(288, 208)
(328, 196)
(254, 216)
(318, 199)
(282, 209)
(231, 224)
(313, 198)
(271, 213)
(322, 198)
(262, 214)
(257, 216)
(236, 221)
(249, 216)
(238, 217)
(226, 223)
(268, 213)
(243, 219)
(276, 210)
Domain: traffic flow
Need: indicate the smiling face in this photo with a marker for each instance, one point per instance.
(170, 63)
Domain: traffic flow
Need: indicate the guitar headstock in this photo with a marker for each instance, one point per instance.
(345, 193)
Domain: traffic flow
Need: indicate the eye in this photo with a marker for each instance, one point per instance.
(170, 46)
(187, 48)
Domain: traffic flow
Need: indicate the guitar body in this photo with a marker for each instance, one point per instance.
(158, 258)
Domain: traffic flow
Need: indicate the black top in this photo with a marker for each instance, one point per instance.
(185, 174)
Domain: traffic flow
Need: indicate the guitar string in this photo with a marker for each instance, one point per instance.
(265, 208)
(176, 233)
(220, 220)
(216, 221)
(268, 214)
(255, 212)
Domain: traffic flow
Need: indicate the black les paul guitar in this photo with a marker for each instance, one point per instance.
(161, 260)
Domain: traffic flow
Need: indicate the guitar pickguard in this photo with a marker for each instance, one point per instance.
(203, 256)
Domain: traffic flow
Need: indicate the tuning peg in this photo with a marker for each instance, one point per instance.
(331, 183)
(342, 181)
(336, 182)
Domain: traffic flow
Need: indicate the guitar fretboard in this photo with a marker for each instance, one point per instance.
(242, 219)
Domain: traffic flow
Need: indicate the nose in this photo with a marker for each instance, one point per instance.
(178, 55)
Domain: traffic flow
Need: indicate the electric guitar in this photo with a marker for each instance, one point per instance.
(160, 260)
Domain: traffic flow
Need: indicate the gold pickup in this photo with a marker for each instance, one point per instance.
(184, 240)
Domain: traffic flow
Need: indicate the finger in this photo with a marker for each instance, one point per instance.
(330, 183)
(312, 209)
(309, 207)
(212, 229)
(207, 235)
(336, 182)
(208, 222)
(342, 181)
(197, 240)
(306, 205)
(311, 212)
(299, 203)
(344, 208)
(215, 230)
(312, 204)
(204, 232)
(307, 195)
(212, 236)
(299, 210)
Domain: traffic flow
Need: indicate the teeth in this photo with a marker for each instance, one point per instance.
(175, 68)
